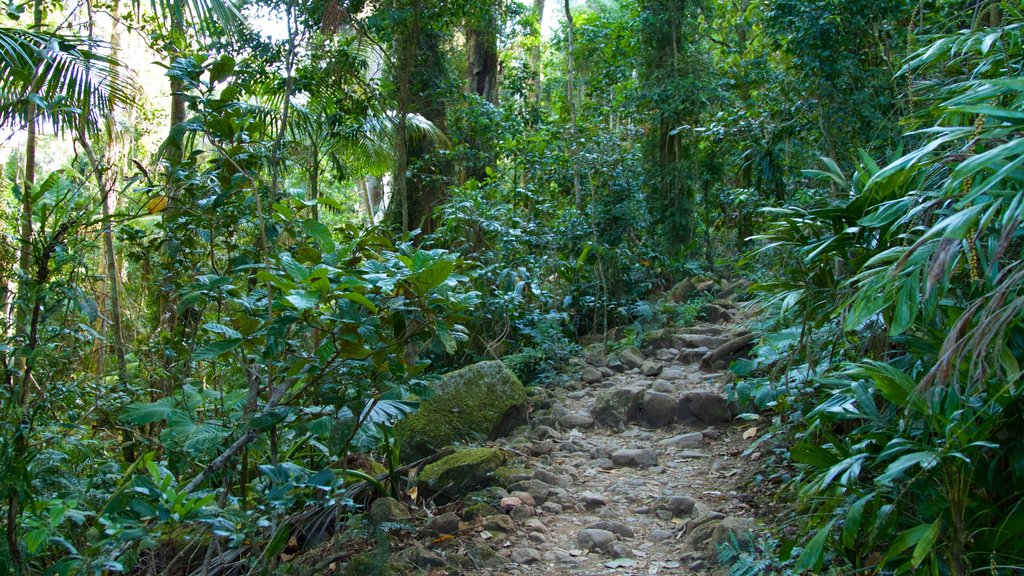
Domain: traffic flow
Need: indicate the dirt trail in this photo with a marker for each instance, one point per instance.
(632, 473)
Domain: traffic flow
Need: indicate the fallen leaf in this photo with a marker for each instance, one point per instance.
(750, 433)
(413, 493)
(156, 204)
(441, 539)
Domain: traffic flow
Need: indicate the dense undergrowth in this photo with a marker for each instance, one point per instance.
(891, 365)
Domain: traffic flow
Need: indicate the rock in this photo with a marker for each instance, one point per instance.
(650, 368)
(447, 523)
(522, 513)
(692, 355)
(542, 448)
(617, 406)
(665, 354)
(578, 419)
(591, 375)
(658, 409)
(659, 535)
(422, 558)
(663, 386)
(475, 511)
(683, 441)
(522, 497)
(481, 401)
(708, 286)
(549, 477)
(482, 555)
(499, 523)
(704, 406)
(741, 528)
(617, 528)
(682, 291)
(540, 490)
(673, 373)
(524, 556)
(461, 472)
(505, 476)
(596, 358)
(635, 457)
(716, 314)
(680, 505)
(630, 357)
(615, 364)
(388, 510)
(551, 508)
(606, 371)
(622, 553)
(595, 539)
(544, 432)
(593, 500)
(702, 340)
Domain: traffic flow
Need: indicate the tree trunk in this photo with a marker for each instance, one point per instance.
(571, 98)
(482, 80)
(535, 56)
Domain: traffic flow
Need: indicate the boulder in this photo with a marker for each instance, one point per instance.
(659, 409)
(578, 419)
(702, 341)
(447, 523)
(717, 314)
(635, 457)
(591, 375)
(692, 355)
(615, 364)
(615, 527)
(460, 473)
(596, 358)
(703, 406)
(631, 357)
(595, 539)
(617, 406)
(479, 402)
(650, 368)
(689, 440)
(742, 529)
(388, 510)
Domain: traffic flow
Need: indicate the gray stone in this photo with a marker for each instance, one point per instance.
(673, 373)
(615, 527)
(578, 419)
(663, 386)
(539, 489)
(615, 364)
(388, 510)
(717, 314)
(702, 341)
(591, 375)
(659, 535)
(551, 508)
(606, 371)
(524, 497)
(659, 409)
(665, 354)
(524, 556)
(680, 505)
(635, 457)
(620, 550)
(595, 539)
(630, 357)
(650, 368)
(499, 523)
(683, 441)
(617, 406)
(549, 477)
(596, 358)
(703, 406)
(423, 558)
(692, 355)
(592, 499)
(482, 555)
(447, 523)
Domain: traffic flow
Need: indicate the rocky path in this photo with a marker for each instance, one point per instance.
(632, 470)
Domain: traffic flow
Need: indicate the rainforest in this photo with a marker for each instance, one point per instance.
(510, 287)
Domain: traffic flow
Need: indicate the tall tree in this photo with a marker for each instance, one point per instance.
(671, 75)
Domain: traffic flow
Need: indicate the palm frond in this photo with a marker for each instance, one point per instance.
(64, 76)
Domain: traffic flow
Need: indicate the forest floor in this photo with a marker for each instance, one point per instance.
(634, 497)
(636, 468)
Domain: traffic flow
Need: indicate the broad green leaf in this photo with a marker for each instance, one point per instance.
(222, 330)
(924, 459)
(216, 349)
(433, 275)
(925, 544)
(303, 299)
(320, 232)
(297, 271)
(814, 554)
(360, 299)
(853, 521)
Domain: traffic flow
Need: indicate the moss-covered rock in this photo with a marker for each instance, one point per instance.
(461, 472)
(478, 402)
(506, 476)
